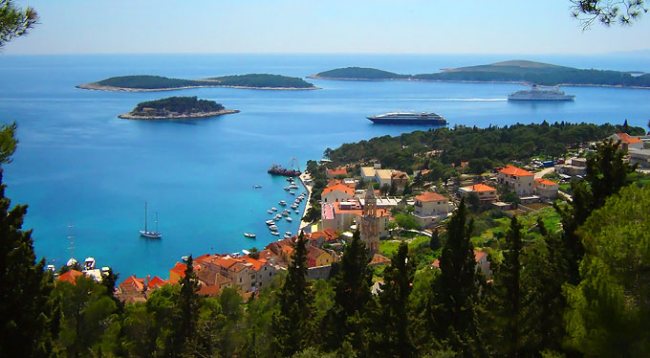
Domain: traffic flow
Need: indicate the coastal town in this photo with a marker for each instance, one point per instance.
(365, 197)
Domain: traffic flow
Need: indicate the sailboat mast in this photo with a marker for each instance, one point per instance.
(145, 216)
(156, 221)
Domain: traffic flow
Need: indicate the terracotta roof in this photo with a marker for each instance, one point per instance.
(381, 212)
(133, 282)
(327, 234)
(257, 264)
(157, 282)
(479, 188)
(378, 259)
(430, 196)
(313, 252)
(208, 290)
(70, 276)
(546, 182)
(399, 175)
(338, 187)
(628, 139)
(179, 269)
(337, 171)
(518, 172)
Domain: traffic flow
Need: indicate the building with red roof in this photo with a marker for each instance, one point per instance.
(486, 194)
(337, 192)
(431, 207)
(518, 180)
(344, 214)
(546, 189)
(337, 172)
(70, 276)
(627, 141)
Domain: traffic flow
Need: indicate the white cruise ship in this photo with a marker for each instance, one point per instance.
(429, 118)
(539, 93)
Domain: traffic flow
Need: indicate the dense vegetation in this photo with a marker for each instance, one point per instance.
(148, 82)
(507, 71)
(359, 73)
(483, 148)
(256, 80)
(179, 105)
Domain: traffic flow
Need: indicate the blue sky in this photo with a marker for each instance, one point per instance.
(319, 26)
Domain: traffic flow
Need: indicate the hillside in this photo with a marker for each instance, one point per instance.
(507, 71)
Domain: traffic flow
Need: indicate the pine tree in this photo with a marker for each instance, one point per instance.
(346, 320)
(24, 286)
(393, 322)
(455, 290)
(290, 324)
(507, 289)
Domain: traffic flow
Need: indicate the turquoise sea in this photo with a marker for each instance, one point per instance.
(85, 173)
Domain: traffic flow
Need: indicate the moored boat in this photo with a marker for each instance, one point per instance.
(249, 235)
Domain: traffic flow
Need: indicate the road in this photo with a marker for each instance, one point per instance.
(543, 172)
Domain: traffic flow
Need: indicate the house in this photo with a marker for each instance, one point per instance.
(378, 260)
(367, 174)
(339, 216)
(640, 157)
(573, 167)
(399, 180)
(70, 276)
(336, 172)
(156, 283)
(431, 207)
(481, 260)
(627, 141)
(132, 289)
(177, 272)
(486, 194)
(545, 188)
(383, 177)
(319, 238)
(318, 257)
(337, 192)
(518, 180)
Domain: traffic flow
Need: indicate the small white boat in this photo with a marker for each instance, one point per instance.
(292, 193)
(285, 213)
(294, 206)
(274, 209)
(289, 219)
(146, 233)
(249, 235)
(283, 203)
(89, 263)
(286, 188)
(273, 228)
(270, 222)
(278, 217)
(293, 186)
(257, 187)
(275, 233)
(297, 211)
(270, 211)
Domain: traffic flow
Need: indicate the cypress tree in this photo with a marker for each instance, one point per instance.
(507, 288)
(456, 288)
(186, 312)
(24, 286)
(346, 320)
(295, 299)
(393, 321)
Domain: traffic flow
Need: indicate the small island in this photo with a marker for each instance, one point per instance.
(516, 71)
(177, 108)
(148, 83)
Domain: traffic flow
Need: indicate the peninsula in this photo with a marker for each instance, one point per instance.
(177, 108)
(516, 71)
(147, 83)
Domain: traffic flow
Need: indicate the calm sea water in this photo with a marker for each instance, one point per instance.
(79, 165)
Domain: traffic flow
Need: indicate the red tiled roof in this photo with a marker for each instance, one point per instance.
(381, 212)
(156, 282)
(518, 172)
(133, 282)
(337, 171)
(628, 139)
(70, 276)
(430, 196)
(257, 264)
(479, 188)
(378, 259)
(546, 182)
(338, 187)
(179, 269)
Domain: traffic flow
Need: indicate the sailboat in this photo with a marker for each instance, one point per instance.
(146, 233)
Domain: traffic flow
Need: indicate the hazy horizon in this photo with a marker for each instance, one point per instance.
(385, 27)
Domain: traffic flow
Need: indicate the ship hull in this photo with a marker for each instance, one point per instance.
(428, 122)
(538, 99)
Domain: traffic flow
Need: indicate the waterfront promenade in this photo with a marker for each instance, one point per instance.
(304, 179)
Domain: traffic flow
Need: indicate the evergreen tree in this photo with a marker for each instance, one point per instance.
(507, 289)
(606, 175)
(434, 242)
(14, 22)
(455, 290)
(24, 286)
(186, 312)
(290, 324)
(393, 322)
(346, 322)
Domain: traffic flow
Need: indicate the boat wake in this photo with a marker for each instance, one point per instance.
(469, 99)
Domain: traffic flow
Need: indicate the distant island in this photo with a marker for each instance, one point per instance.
(519, 71)
(147, 83)
(177, 108)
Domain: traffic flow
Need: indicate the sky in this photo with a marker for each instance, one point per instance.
(319, 26)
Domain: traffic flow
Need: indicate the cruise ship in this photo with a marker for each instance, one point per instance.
(429, 118)
(538, 93)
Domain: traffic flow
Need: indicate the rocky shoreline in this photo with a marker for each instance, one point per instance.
(130, 115)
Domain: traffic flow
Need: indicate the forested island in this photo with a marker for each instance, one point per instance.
(177, 108)
(147, 83)
(518, 71)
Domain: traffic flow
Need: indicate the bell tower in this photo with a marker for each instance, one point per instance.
(370, 221)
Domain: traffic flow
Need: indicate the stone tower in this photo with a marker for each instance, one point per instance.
(370, 221)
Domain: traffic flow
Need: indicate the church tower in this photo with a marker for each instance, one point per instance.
(370, 221)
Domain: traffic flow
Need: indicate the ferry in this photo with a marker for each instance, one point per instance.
(428, 118)
(540, 93)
